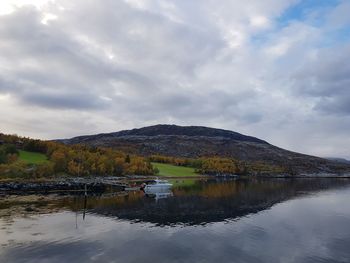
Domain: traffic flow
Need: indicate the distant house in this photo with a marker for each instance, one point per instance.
(19, 144)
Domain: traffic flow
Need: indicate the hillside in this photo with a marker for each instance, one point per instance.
(197, 141)
(339, 160)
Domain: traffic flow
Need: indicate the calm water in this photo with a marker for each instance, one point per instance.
(198, 221)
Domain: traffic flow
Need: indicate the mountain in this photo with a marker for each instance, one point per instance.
(169, 130)
(198, 141)
(340, 160)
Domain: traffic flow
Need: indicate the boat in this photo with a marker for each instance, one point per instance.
(158, 189)
(157, 185)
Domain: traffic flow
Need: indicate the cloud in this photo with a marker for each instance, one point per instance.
(250, 67)
(339, 16)
(327, 79)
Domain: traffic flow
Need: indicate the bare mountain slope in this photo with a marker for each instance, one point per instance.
(197, 141)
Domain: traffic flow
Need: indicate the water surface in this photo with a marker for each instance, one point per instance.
(275, 220)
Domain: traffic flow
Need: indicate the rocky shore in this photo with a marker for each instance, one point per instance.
(82, 185)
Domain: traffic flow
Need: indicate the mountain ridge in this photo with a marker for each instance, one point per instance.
(200, 141)
(174, 130)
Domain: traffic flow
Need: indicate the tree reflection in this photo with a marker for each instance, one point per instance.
(199, 202)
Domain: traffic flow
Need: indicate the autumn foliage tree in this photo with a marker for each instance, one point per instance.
(80, 160)
(76, 160)
(218, 166)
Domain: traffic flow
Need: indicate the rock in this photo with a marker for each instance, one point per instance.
(60, 185)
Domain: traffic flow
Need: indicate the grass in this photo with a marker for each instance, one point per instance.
(32, 157)
(183, 182)
(173, 170)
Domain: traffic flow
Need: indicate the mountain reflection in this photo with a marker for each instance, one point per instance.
(206, 202)
(194, 203)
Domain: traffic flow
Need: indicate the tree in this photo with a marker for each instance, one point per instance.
(127, 158)
(3, 157)
(44, 170)
(11, 158)
(10, 149)
(156, 170)
(73, 168)
(60, 161)
(118, 166)
(35, 146)
(218, 166)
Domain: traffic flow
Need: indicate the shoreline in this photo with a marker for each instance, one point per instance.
(115, 184)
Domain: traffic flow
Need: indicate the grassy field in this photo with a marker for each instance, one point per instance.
(32, 157)
(183, 182)
(173, 170)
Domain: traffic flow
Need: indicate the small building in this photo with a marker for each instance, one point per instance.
(19, 144)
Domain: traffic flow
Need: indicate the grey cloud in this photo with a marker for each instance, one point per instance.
(335, 104)
(115, 65)
(160, 52)
(145, 37)
(64, 101)
(327, 79)
(58, 61)
(339, 17)
(43, 58)
(194, 106)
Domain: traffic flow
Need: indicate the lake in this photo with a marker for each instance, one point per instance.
(261, 220)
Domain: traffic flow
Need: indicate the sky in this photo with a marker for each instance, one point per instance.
(278, 70)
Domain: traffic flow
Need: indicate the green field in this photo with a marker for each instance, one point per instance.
(32, 157)
(173, 170)
(183, 182)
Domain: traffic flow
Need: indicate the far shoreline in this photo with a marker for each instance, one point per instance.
(100, 185)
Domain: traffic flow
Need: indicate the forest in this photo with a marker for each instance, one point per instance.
(81, 160)
(210, 165)
(76, 160)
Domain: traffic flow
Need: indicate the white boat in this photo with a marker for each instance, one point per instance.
(158, 189)
(158, 185)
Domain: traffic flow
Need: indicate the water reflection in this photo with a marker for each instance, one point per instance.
(203, 221)
(194, 203)
(207, 202)
(158, 194)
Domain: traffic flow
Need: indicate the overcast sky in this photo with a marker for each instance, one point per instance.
(275, 69)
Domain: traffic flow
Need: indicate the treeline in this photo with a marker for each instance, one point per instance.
(220, 165)
(82, 161)
(8, 153)
(74, 160)
(208, 165)
(79, 160)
